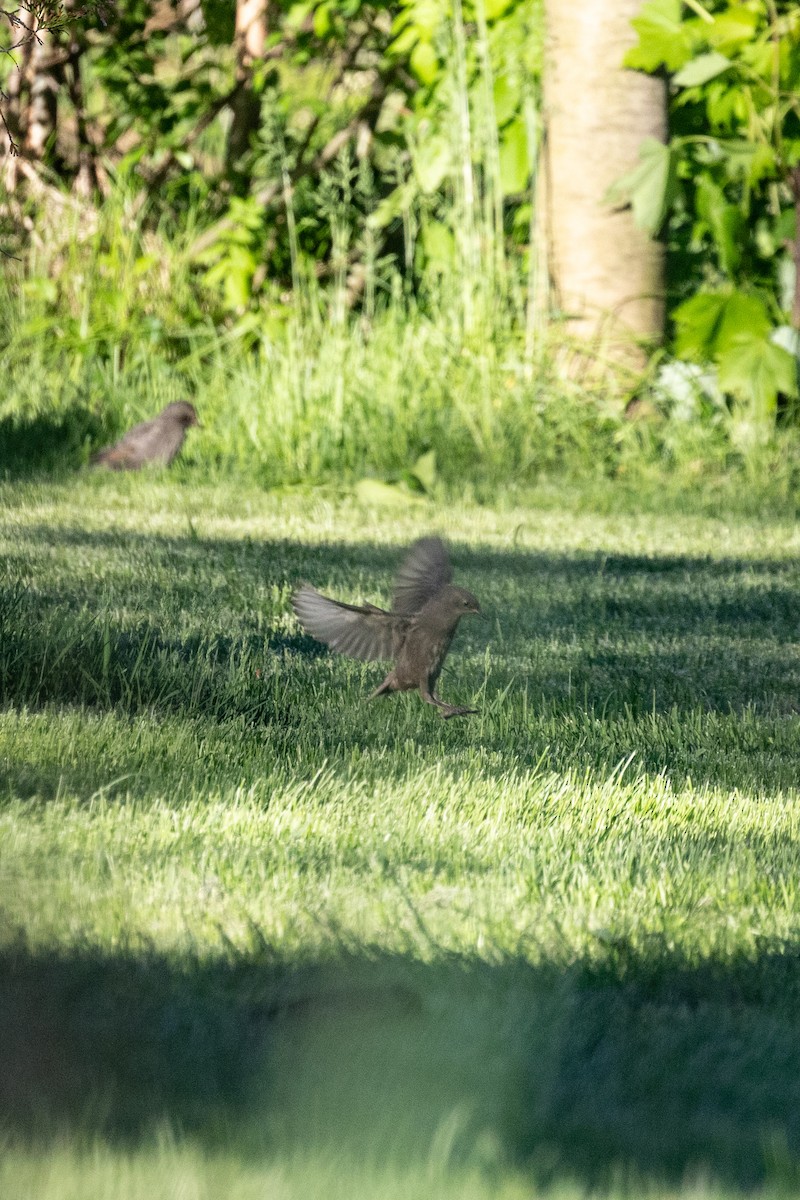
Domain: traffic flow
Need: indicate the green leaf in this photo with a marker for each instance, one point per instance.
(507, 97)
(438, 245)
(729, 231)
(748, 161)
(297, 14)
(698, 321)
(701, 69)
(496, 8)
(424, 470)
(404, 41)
(427, 16)
(733, 27)
(392, 206)
(424, 62)
(754, 370)
(725, 222)
(515, 163)
(712, 324)
(322, 20)
(650, 188)
(663, 38)
(374, 492)
(744, 315)
(432, 160)
(41, 288)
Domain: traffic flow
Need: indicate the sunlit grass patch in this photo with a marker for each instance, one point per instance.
(260, 936)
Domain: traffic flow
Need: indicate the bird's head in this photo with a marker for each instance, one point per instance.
(183, 412)
(461, 602)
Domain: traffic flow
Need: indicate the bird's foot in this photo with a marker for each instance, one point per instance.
(447, 710)
(453, 710)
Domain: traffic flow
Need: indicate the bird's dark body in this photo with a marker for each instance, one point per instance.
(156, 441)
(421, 654)
(417, 633)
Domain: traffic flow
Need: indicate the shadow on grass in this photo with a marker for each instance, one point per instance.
(611, 607)
(47, 446)
(592, 656)
(636, 1065)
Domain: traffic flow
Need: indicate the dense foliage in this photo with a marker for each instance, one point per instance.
(366, 138)
(727, 185)
(336, 228)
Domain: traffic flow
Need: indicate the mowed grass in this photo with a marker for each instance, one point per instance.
(261, 938)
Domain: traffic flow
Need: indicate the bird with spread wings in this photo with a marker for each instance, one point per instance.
(416, 632)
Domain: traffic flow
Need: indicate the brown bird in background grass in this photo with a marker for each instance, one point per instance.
(155, 441)
(416, 633)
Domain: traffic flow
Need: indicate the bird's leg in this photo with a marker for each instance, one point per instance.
(389, 685)
(447, 710)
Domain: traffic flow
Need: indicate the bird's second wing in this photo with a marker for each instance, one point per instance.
(425, 569)
(367, 633)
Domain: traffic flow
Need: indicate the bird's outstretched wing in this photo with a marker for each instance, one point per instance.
(360, 632)
(425, 569)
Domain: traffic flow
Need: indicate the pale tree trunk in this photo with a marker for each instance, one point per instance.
(43, 91)
(607, 275)
(32, 97)
(250, 38)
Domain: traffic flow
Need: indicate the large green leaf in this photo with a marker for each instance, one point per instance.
(750, 161)
(697, 322)
(744, 315)
(732, 28)
(755, 370)
(701, 69)
(651, 187)
(710, 322)
(663, 38)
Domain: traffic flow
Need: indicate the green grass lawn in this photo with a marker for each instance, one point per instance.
(259, 938)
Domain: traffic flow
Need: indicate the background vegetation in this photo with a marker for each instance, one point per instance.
(341, 233)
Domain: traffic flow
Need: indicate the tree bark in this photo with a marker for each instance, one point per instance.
(40, 118)
(794, 183)
(250, 39)
(606, 275)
